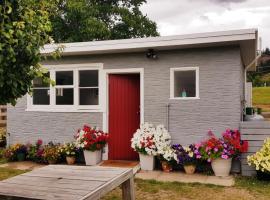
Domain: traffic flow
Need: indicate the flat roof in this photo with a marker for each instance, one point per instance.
(245, 38)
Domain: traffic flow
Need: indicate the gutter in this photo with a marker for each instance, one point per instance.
(246, 69)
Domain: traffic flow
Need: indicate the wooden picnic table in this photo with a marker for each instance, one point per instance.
(62, 182)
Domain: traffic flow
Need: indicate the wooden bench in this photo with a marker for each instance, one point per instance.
(62, 182)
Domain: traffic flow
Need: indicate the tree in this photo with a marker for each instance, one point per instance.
(88, 20)
(266, 51)
(24, 29)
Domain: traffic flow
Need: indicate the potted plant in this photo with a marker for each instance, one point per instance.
(167, 158)
(216, 151)
(233, 138)
(3, 138)
(92, 141)
(143, 143)
(35, 152)
(261, 161)
(69, 151)
(51, 153)
(186, 157)
(9, 154)
(20, 151)
(150, 141)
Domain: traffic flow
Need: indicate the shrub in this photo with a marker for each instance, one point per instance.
(261, 159)
(213, 148)
(91, 139)
(51, 153)
(9, 154)
(35, 152)
(185, 155)
(68, 150)
(151, 140)
(233, 138)
(3, 137)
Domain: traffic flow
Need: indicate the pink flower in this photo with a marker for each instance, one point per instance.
(225, 157)
(39, 142)
(216, 149)
(198, 156)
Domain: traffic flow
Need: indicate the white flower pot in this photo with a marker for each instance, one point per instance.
(92, 157)
(221, 167)
(147, 162)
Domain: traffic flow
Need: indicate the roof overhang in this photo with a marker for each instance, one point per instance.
(246, 39)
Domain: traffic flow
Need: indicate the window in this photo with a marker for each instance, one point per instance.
(64, 88)
(184, 83)
(88, 87)
(41, 91)
(75, 89)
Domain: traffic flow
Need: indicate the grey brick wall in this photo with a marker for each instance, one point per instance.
(26, 126)
(218, 108)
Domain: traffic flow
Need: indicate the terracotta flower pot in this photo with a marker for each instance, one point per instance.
(221, 167)
(70, 160)
(166, 167)
(190, 169)
(52, 162)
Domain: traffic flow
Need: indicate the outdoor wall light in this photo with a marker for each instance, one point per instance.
(151, 54)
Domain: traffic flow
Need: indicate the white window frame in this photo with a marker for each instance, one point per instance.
(75, 107)
(172, 79)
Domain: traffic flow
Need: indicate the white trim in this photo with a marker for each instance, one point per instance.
(75, 107)
(172, 70)
(163, 42)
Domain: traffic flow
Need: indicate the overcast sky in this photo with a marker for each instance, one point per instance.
(175, 17)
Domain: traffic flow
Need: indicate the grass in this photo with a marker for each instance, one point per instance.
(245, 189)
(261, 98)
(8, 173)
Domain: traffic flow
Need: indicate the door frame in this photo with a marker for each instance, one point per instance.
(105, 116)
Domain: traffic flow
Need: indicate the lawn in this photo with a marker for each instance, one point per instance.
(245, 189)
(261, 98)
(7, 172)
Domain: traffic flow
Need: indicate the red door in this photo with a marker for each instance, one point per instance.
(124, 114)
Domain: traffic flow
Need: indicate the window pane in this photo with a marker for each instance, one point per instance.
(64, 96)
(88, 78)
(38, 82)
(185, 83)
(89, 96)
(64, 78)
(41, 97)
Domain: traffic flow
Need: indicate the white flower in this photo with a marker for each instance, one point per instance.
(154, 141)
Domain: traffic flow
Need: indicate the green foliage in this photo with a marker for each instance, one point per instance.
(266, 51)
(88, 20)
(24, 29)
(3, 137)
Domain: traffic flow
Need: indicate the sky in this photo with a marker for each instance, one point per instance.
(176, 17)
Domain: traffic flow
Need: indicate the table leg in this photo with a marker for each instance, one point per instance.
(128, 189)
